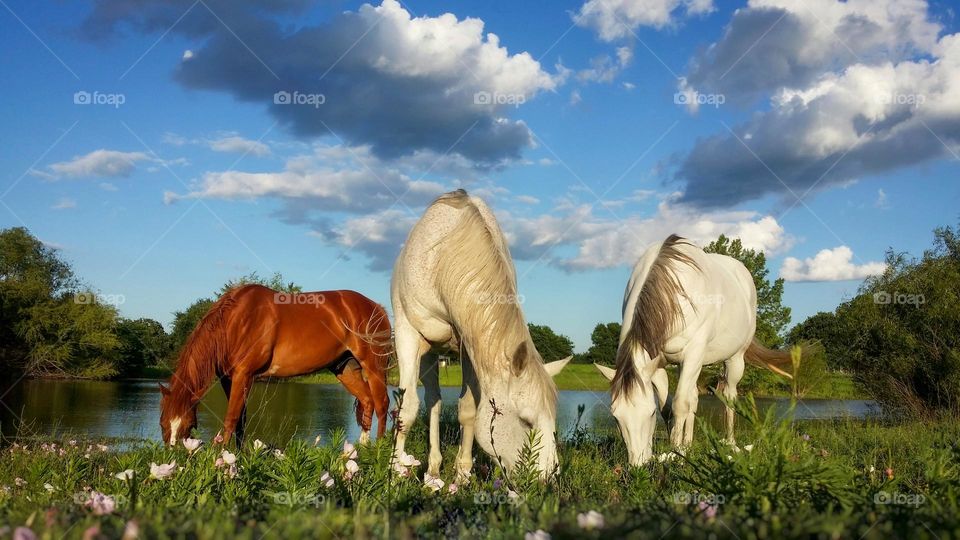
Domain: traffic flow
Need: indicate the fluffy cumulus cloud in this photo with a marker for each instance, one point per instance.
(618, 19)
(829, 265)
(377, 76)
(330, 179)
(877, 111)
(97, 164)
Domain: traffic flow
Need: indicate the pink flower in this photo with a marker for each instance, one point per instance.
(218, 463)
(327, 479)
(351, 469)
(258, 445)
(452, 488)
(219, 438)
(232, 471)
(349, 451)
(433, 482)
(590, 520)
(20, 482)
(538, 534)
(101, 504)
(228, 458)
(163, 470)
(24, 533)
(192, 444)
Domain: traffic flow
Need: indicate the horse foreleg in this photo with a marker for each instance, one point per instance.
(239, 388)
(686, 399)
(430, 377)
(732, 373)
(351, 378)
(467, 415)
(410, 346)
(661, 384)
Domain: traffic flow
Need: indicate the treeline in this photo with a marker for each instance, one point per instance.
(52, 325)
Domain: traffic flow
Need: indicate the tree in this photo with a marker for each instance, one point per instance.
(49, 325)
(772, 315)
(824, 328)
(143, 343)
(550, 345)
(275, 282)
(604, 339)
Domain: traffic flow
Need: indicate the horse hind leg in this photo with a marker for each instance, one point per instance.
(410, 347)
(430, 377)
(733, 371)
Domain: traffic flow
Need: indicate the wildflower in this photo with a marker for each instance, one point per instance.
(162, 470)
(889, 473)
(824, 452)
(400, 469)
(327, 479)
(258, 445)
(538, 534)
(218, 439)
(101, 504)
(452, 488)
(351, 469)
(49, 488)
(228, 458)
(349, 451)
(103, 447)
(125, 474)
(232, 471)
(218, 463)
(806, 437)
(131, 530)
(709, 510)
(24, 533)
(497, 483)
(73, 442)
(513, 495)
(590, 520)
(748, 447)
(666, 456)
(277, 453)
(20, 482)
(432, 482)
(316, 442)
(192, 444)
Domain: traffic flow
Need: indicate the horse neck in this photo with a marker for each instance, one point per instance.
(192, 377)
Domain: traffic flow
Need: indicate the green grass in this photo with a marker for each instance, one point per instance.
(818, 479)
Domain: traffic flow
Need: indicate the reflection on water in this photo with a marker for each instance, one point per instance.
(278, 411)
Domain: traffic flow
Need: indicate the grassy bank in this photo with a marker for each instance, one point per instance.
(839, 479)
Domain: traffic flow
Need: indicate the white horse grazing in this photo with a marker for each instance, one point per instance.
(454, 283)
(682, 306)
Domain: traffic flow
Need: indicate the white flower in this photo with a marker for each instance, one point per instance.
(101, 504)
(352, 466)
(349, 451)
(407, 460)
(452, 488)
(162, 470)
(748, 447)
(433, 482)
(316, 442)
(192, 444)
(327, 479)
(277, 453)
(538, 534)
(49, 487)
(666, 456)
(258, 445)
(125, 474)
(590, 520)
(513, 495)
(228, 458)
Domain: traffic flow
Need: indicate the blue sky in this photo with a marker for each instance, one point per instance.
(826, 133)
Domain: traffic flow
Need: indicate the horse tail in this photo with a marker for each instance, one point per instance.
(772, 359)
(656, 312)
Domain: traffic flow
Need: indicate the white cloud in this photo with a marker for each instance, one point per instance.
(527, 199)
(100, 163)
(618, 19)
(64, 204)
(829, 265)
(239, 145)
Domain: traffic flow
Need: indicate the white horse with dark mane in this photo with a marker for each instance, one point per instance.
(687, 307)
(454, 283)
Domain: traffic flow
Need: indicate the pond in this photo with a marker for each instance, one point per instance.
(278, 411)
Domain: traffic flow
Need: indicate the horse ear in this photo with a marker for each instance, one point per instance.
(163, 389)
(553, 368)
(607, 372)
(520, 358)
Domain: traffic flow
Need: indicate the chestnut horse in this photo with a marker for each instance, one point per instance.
(254, 332)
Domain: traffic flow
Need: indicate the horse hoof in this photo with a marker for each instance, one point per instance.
(365, 437)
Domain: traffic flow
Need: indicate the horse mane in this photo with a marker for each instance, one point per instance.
(477, 282)
(655, 314)
(204, 352)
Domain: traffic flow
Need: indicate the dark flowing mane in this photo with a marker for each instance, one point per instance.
(203, 353)
(655, 314)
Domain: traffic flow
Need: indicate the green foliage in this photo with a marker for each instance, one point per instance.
(824, 328)
(143, 343)
(48, 324)
(604, 339)
(274, 282)
(902, 331)
(185, 321)
(549, 344)
(772, 315)
(810, 368)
